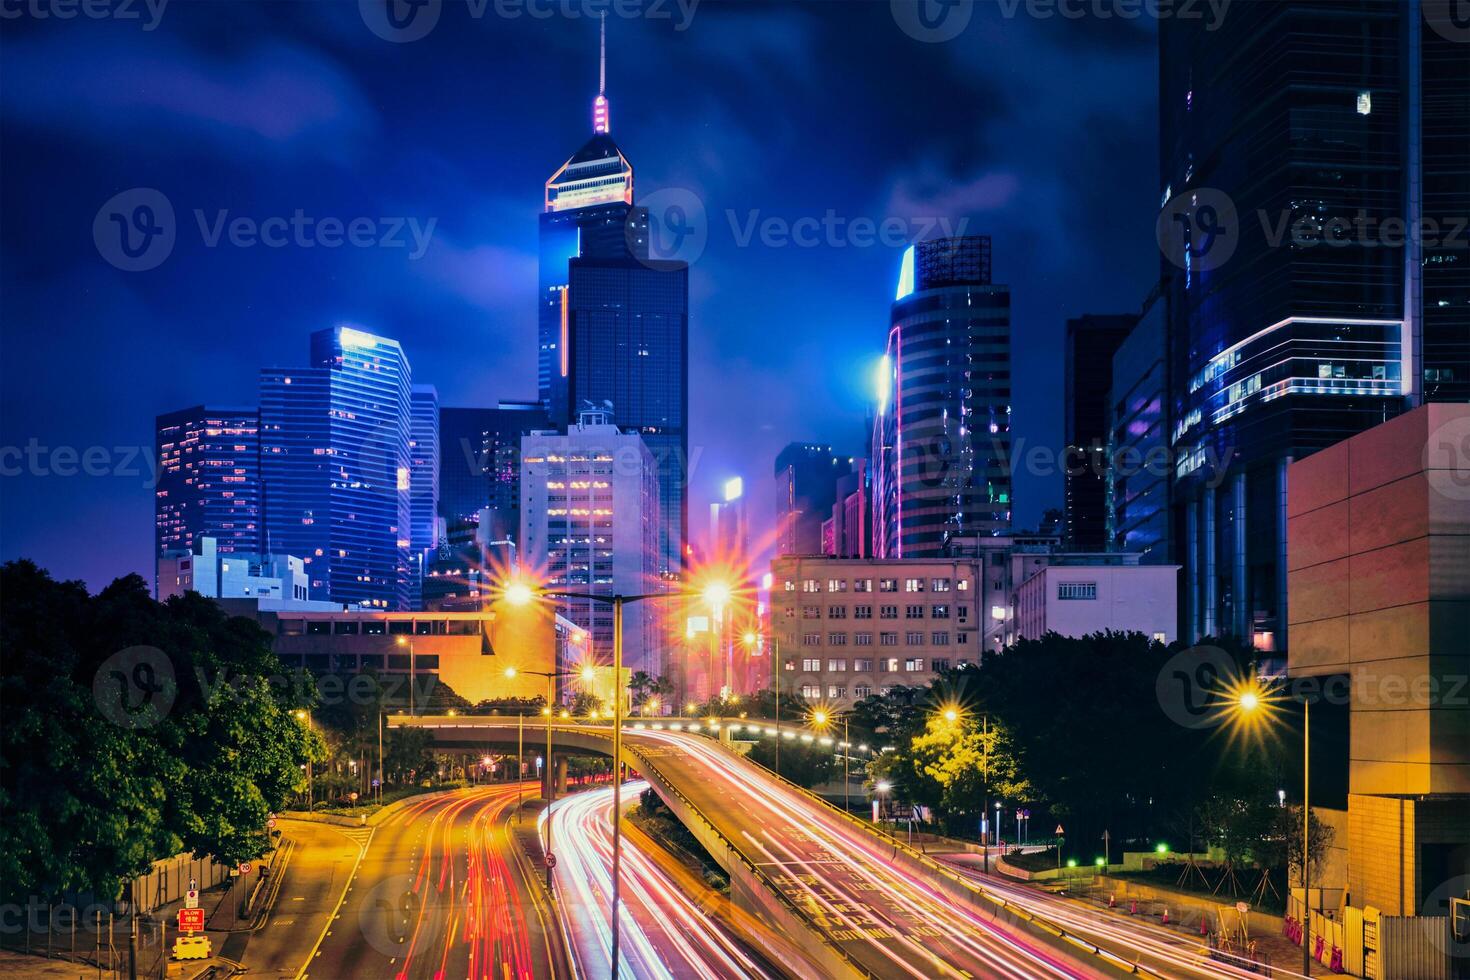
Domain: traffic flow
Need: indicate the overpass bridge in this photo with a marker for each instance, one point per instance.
(859, 902)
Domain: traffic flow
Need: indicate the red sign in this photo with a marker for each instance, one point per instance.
(191, 920)
(245, 867)
(551, 860)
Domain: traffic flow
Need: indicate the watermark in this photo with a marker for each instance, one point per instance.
(1198, 688)
(1200, 229)
(148, 13)
(40, 917)
(932, 21)
(136, 687)
(1447, 459)
(936, 21)
(406, 21)
(38, 459)
(1450, 19)
(136, 230)
(678, 227)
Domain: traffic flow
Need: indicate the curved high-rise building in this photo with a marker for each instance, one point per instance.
(941, 441)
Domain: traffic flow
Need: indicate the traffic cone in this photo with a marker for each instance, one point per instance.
(1166, 916)
(1112, 901)
(1133, 907)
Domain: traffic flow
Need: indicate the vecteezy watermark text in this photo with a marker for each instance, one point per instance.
(148, 12)
(405, 21)
(136, 230)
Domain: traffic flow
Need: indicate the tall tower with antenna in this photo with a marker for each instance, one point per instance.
(599, 104)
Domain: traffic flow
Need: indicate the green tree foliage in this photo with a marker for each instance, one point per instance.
(803, 764)
(114, 757)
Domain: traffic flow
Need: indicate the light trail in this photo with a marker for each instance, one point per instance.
(892, 920)
(665, 933)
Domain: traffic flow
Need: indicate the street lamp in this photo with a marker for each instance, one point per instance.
(304, 714)
(882, 788)
(519, 592)
(546, 712)
(404, 641)
(822, 720)
(1248, 706)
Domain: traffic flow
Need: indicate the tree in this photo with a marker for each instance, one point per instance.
(803, 764)
(135, 730)
(584, 703)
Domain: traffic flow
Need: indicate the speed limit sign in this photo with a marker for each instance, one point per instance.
(551, 860)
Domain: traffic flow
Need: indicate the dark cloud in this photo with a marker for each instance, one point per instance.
(1037, 132)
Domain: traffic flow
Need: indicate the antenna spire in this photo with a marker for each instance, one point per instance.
(599, 104)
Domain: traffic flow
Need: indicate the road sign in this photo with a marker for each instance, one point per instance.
(193, 884)
(1059, 830)
(245, 867)
(191, 920)
(377, 783)
(551, 860)
(191, 898)
(271, 824)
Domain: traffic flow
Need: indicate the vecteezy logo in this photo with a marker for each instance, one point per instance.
(932, 21)
(136, 687)
(393, 913)
(1450, 19)
(1447, 459)
(135, 230)
(677, 227)
(1190, 684)
(400, 21)
(1198, 230)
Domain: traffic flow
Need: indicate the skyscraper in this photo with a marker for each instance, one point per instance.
(806, 476)
(423, 482)
(480, 465)
(941, 440)
(1140, 471)
(589, 523)
(209, 480)
(1091, 341)
(1302, 144)
(336, 465)
(614, 323)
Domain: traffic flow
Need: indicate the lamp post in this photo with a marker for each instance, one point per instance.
(304, 714)
(548, 713)
(1247, 703)
(520, 593)
(404, 641)
(821, 721)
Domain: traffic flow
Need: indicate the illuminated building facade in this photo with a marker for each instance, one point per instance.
(1323, 124)
(806, 476)
(208, 480)
(613, 323)
(336, 465)
(423, 482)
(590, 523)
(1140, 471)
(480, 465)
(1091, 342)
(845, 628)
(941, 440)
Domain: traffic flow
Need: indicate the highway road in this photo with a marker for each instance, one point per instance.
(443, 891)
(1164, 950)
(667, 933)
(888, 919)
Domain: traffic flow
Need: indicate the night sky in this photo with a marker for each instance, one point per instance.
(1038, 132)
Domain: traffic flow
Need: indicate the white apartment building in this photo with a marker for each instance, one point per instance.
(845, 628)
(590, 523)
(1077, 594)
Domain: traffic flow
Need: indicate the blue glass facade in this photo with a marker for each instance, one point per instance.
(423, 481)
(941, 442)
(480, 465)
(209, 480)
(336, 467)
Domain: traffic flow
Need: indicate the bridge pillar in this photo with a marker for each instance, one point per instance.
(561, 776)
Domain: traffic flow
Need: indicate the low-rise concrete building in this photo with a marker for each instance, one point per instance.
(1379, 576)
(1078, 594)
(845, 628)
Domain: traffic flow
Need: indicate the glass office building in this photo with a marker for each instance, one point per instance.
(480, 466)
(1326, 128)
(336, 464)
(941, 440)
(423, 483)
(208, 480)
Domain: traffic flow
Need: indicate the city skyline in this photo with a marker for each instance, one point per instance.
(471, 290)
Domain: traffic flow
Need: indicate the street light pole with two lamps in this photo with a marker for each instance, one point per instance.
(520, 593)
